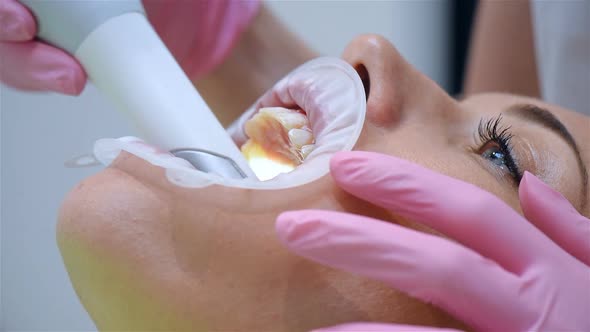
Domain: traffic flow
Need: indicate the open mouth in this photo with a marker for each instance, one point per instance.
(279, 140)
(317, 110)
(314, 112)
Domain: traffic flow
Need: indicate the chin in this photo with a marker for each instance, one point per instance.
(143, 254)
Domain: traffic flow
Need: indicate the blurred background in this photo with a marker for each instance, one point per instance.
(42, 130)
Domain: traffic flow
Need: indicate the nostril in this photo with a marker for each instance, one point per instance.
(364, 75)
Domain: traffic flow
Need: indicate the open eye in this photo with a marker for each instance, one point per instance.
(501, 156)
(496, 146)
(493, 152)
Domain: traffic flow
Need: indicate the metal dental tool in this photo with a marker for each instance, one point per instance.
(127, 61)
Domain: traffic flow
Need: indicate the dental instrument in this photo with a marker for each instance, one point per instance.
(127, 61)
(327, 89)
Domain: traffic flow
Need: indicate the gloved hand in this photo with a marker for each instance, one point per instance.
(200, 34)
(503, 273)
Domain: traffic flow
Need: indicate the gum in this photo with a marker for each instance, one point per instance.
(276, 139)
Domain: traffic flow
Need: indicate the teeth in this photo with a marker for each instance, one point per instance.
(300, 137)
(277, 135)
(306, 150)
(288, 118)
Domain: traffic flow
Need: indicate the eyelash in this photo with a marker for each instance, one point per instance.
(492, 131)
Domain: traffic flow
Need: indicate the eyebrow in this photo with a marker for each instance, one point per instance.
(546, 119)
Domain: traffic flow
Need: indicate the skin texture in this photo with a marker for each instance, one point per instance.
(143, 254)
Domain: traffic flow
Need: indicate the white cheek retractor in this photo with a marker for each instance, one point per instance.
(126, 60)
(331, 93)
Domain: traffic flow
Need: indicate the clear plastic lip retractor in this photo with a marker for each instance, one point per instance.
(211, 162)
(328, 89)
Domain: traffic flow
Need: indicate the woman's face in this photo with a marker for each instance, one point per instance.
(145, 254)
(421, 123)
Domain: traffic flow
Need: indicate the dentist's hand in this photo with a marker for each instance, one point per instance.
(497, 272)
(28, 64)
(200, 34)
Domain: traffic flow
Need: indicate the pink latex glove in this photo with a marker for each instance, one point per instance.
(504, 273)
(200, 34)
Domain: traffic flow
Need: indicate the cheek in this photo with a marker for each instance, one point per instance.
(465, 166)
(419, 145)
(433, 150)
(558, 169)
(235, 264)
(155, 256)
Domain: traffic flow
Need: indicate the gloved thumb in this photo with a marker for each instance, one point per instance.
(377, 327)
(553, 214)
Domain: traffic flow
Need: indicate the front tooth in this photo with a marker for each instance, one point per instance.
(306, 150)
(300, 137)
(288, 118)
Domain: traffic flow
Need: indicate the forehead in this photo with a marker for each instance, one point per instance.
(577, 124)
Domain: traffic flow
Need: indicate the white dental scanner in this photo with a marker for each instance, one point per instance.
(128, 62)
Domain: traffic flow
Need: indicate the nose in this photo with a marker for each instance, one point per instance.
(393, 86)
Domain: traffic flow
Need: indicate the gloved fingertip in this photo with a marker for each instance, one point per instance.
(286, 226)
(537, 198)
(69, 81)
(344, 157)
(295, 228)
(379, 327)
(78, 81)
(529, 178)
(531, 186)
(339, 158)
(350, 327)
(16, 33)
(28, 27)
(343, 165)
(283, 222)
(16, 23)
(345, 162)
